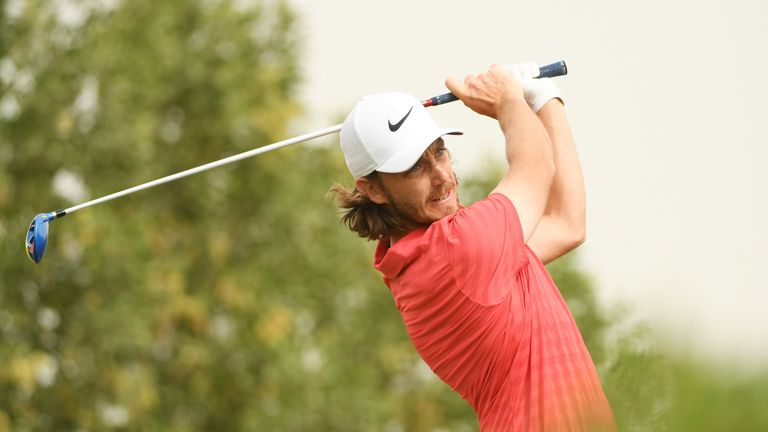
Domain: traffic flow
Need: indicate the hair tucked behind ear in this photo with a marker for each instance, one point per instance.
(365, 217)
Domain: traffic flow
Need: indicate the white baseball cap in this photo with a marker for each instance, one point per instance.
(388, 132)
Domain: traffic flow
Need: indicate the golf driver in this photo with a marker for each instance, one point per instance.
(37, 234)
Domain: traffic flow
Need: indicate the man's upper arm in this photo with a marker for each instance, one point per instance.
(553, 238)
(528, 189)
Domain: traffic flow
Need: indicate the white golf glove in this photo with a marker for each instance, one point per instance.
(537, 91)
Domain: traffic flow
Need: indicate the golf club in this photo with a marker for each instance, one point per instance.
(37, 234)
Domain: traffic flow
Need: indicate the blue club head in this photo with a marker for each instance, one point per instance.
(37, 236)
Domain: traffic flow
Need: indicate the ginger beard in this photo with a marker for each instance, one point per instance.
(417, 208)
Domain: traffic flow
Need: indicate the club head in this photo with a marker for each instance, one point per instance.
(37, 237)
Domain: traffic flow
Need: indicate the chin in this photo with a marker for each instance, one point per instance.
(446, 212)
(451, 210)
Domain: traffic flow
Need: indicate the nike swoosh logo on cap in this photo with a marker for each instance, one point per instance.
(396, 126)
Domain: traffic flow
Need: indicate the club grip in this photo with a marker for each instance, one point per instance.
(439, 100)
(547, 71)
(553, 70)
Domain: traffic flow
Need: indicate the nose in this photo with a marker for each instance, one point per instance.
(441, 173)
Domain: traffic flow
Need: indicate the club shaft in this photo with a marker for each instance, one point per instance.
(201, 168)
(206, 167)
(551, 70)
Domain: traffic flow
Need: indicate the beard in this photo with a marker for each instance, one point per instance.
(410, 213)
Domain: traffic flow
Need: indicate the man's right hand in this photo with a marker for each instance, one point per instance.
(488, 93)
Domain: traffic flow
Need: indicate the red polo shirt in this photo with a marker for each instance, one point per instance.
(484, 314)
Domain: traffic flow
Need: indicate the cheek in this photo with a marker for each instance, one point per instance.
(412, 194)
(412, 199)
(423, 192)
(414, 190)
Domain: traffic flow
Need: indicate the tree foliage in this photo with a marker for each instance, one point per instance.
(232, 300)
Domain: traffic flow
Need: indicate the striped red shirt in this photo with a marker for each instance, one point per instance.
(484, 314)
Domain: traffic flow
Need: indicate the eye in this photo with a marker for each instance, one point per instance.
(415, 168)
(441, 152)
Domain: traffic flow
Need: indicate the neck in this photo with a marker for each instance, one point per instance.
(395, 237)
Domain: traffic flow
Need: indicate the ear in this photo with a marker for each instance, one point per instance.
(372, 188)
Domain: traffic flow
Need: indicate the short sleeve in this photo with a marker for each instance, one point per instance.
(486, 248)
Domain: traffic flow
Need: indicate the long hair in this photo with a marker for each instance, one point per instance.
(368, 219)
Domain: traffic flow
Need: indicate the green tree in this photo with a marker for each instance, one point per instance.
(233, 300)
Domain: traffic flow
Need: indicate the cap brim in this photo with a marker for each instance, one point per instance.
(403, 160)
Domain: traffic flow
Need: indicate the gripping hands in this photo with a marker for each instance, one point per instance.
(537, 91)
(487, 93)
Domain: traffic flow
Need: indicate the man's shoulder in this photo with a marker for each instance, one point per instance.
(479, 218)
(467, 225)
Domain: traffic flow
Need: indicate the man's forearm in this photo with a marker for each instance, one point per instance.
(531, 165)
(526, 141)
(566, 198)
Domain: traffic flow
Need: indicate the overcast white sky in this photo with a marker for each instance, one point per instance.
(667, 101)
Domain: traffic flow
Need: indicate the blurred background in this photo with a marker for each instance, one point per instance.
(234, 300)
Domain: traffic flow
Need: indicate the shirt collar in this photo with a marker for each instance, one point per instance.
(390, 260)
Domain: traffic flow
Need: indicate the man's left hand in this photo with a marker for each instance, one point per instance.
(537, 91)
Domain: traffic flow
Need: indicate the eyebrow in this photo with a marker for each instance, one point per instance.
(439, 144)
(421, 159)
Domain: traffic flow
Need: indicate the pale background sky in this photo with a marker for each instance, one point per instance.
(667, 101)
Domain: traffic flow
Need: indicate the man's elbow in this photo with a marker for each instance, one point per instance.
(574, 233)
(578, 235)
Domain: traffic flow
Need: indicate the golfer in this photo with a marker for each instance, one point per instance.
(470, 282)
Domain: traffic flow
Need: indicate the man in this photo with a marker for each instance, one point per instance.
(470, 282)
